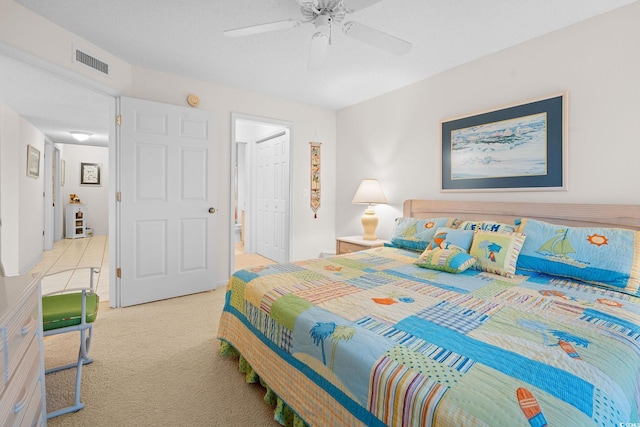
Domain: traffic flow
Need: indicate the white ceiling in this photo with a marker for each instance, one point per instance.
(186, 38)
(54, 105)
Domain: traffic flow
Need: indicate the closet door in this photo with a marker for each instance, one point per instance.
(273, 197)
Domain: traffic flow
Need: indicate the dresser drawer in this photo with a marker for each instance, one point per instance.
(20, 332)
(22, 388)
(31, 416)
(347, 248)
(348, 244)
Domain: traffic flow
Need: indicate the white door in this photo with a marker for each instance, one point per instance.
(273, 194)
(167, 157)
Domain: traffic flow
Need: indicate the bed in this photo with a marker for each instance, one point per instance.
(476, 313)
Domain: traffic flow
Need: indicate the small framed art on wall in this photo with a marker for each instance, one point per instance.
(90, 173)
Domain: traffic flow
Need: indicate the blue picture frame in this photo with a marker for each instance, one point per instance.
(521, 147)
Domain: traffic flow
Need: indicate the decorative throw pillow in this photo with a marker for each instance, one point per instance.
(449, 260)
(416, 234)
(497, 251)
(607, 257)
(487, 226)
(451, 238)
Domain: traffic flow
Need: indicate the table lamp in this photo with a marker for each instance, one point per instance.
(369, 192)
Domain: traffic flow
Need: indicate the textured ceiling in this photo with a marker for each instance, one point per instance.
(54, 105)
(185, 37)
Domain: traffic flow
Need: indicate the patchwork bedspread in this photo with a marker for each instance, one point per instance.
(371, 339)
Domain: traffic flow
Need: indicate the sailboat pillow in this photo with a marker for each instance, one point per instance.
(451, 238)
(608, 257)
(416, 234)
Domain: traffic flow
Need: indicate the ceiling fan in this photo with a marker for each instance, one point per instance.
(324, 14)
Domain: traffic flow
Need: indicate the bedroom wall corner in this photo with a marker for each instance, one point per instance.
(396, 137)
(33, 39)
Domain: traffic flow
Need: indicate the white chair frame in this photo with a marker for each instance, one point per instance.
(86, 332)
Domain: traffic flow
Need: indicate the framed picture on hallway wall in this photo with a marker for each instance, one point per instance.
(90, 173)
(521, 147)
(33, 161)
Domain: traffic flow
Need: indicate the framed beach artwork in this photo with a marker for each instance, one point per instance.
(520, 147)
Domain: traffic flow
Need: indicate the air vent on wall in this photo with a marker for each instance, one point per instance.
(90, 61)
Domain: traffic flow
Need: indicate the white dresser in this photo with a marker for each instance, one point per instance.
(75, 221)
(22, 395)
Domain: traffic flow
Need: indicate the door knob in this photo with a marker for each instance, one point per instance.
(212, 210)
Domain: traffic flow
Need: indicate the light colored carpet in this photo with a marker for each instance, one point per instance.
(156, 364)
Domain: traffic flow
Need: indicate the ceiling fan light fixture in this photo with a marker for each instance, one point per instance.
(318, 50)
(324, 14)
(80, 136)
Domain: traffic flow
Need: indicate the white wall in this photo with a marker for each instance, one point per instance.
(309, 236)
(396, 137)
(22, 196)
(94, 197)
(35, 37)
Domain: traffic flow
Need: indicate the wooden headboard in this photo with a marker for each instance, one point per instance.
(581, 215)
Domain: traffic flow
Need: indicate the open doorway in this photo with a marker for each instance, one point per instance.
(56, 102)
(261, 191)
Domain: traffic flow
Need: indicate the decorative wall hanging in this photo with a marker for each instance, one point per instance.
(33, 161)
(90, 173)
(315, 177)
(520, 147)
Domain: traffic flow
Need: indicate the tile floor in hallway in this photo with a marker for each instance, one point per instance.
(64, 267)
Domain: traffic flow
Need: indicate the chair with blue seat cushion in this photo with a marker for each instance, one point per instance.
(71, 310)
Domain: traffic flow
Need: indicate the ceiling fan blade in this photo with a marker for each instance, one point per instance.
(376, 38)
(262, 28)
(353, 5)
(318, 50)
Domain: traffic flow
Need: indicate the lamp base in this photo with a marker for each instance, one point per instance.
(369, 223)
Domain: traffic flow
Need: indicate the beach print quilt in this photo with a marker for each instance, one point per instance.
(371, 339)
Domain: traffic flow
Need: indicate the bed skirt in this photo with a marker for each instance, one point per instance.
(282, 413)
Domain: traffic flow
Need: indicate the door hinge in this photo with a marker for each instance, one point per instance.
(118, 196)
(118, 119)
(119, 272)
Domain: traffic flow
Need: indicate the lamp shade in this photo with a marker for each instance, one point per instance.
(369, 192)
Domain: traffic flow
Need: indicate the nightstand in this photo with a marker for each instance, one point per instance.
(346, 245)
